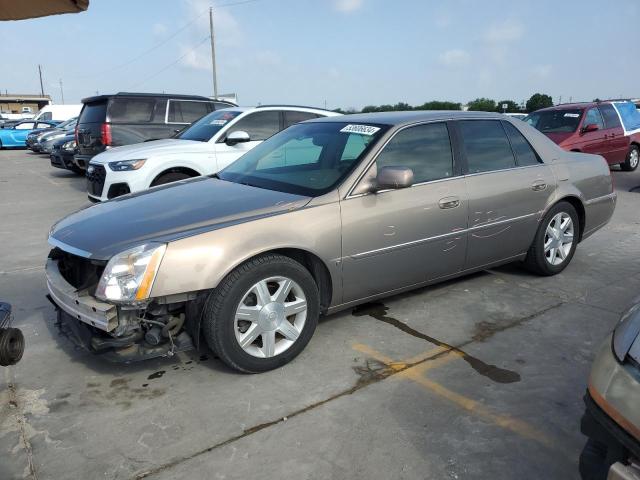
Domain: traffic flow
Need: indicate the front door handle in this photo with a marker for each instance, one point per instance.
(449, 202)
(538, 186)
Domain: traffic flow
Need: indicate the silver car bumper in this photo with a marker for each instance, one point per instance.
(85, 308)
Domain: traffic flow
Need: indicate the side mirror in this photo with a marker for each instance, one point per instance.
(592, 127)
(393, 178)
(239, 136)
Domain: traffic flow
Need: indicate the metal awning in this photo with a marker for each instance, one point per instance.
(21, 9)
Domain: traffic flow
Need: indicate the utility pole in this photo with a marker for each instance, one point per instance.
(41, 87)
(61, 92)
(213, 54)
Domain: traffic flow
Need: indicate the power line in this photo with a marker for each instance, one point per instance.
(205, 39)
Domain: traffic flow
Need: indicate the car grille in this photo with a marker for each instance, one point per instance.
(96, 175)
(80, 272)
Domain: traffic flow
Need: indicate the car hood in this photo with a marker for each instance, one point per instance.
(558, 137)
(166, 213)
(153, 148)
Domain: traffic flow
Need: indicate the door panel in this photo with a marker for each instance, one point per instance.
(504, 208)
(402, 237)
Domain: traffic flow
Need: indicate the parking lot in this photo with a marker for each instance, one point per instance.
(481, 377)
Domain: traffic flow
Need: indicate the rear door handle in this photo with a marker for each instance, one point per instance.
(538, 186)
(449, 202)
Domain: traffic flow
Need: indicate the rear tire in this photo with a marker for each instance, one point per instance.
(550, 251)
(633, 158)
(169, 178)
(245, 326)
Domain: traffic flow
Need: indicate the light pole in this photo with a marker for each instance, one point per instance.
(213, 55)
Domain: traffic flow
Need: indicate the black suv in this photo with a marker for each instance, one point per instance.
(126, 118)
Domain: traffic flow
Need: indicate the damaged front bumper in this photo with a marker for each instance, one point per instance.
(116, 334)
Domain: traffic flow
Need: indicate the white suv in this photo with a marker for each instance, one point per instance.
(203, 148)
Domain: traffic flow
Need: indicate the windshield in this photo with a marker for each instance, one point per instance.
(555, 121)
(67, 123)
(208, 126)
(306, 159)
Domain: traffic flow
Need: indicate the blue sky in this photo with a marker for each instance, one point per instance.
(347, 53)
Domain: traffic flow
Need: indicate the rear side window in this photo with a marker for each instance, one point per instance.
(525, 155)
(136, 110)
(43, 125)
(259, 125)
(593, 117)
(425, 149)
(292, 117)
(94, 113)
(183, 111)
(486, 146)
(610, 116)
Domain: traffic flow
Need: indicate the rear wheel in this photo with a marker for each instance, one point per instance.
(633, 158)
(555, 241)
(169, 178)
(263, 314)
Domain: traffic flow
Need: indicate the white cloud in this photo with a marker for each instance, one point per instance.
(348, 5)
(159, 29)
(454, 58)
(195, 59)
(542, 71)
(503, 32)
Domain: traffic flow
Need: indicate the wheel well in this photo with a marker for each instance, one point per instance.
(577, 204)
(318, 270)
(185, 170)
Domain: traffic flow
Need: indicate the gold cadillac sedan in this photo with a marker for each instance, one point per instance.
(325, 215)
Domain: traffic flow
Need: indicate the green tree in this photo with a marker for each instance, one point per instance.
(370, 108)
(512, 107)
(439, 105)
(482, 105)
(538, 101)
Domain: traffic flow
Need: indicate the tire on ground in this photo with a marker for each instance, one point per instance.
(535, 260)
(218, 322)
(632, 160)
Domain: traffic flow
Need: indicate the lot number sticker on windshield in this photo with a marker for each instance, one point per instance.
(361, 129)
(572, 115)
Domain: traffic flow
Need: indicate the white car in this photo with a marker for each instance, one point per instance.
(203, 148)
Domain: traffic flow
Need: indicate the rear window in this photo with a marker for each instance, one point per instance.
(137, 110)
(93, 113)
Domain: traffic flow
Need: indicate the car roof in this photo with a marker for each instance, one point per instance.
(295, 108)
(412, 116)
(98, 98)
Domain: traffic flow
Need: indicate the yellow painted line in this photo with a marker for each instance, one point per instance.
(409, 370)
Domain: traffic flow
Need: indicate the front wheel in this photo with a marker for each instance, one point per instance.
(555, 241)
(263, 314)
(169, 177)
(632, 160)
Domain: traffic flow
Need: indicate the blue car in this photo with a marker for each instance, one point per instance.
(16, 136)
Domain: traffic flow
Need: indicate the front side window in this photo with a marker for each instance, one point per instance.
(486, 146)
(307, 159)
(135, 110)
(205, 128)
(525, 155)
(183, 111)
(43, 125)
(25, 126)
(425, 149)
(259, 125)
(555, 121)
(593, 117)
(609, 115)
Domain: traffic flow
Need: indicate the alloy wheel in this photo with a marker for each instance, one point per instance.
(634, 156)
(558, 238)
(270, 317)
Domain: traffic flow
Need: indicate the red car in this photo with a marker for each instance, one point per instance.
(606, 128)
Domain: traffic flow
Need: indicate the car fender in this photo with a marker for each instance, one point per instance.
(193, 161)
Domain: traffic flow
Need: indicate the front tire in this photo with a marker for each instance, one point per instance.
(555, 241)
(169, 177)
(263, 314)
(633, 158)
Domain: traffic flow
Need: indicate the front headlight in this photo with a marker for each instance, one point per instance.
(129, 276)
(126, 165)
(69, 146)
